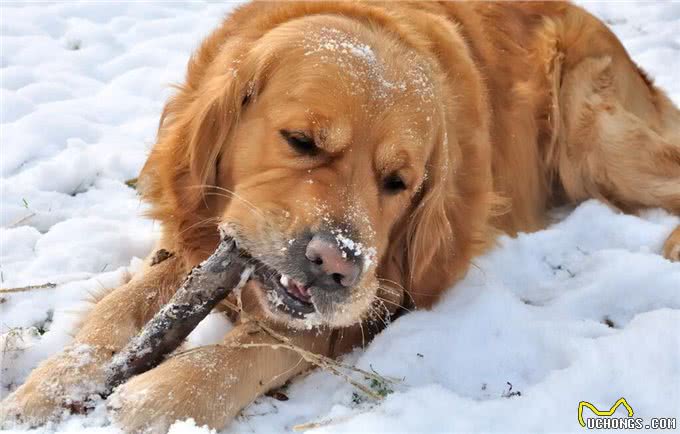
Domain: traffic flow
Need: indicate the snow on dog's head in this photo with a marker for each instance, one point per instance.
(309, 141)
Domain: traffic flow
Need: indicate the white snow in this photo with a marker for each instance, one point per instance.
(584, 310)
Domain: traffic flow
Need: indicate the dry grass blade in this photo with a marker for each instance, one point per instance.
(321, 361)
(22, 220)
(48, 285)
(325, 422)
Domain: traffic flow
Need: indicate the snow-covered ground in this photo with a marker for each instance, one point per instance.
(584, 310)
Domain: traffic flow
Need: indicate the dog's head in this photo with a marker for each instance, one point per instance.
(323, 146)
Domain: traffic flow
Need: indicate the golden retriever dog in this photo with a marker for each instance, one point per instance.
(362, 154)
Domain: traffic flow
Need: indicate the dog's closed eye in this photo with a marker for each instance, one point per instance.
(300, 142)
(393, 183)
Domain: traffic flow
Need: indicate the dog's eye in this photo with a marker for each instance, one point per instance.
(299, 141)
(393, 184)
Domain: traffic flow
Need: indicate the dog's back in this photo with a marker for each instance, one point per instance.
(573, 117)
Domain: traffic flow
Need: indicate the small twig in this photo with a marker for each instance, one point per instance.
(48, 285)
(21, 220)
(281, 338)
(318, 360)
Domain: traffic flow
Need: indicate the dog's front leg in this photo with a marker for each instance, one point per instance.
(211, 384)
(68, 379)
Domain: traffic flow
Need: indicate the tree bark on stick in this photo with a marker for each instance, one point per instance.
(205, 286)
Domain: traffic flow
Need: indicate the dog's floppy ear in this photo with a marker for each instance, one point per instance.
(195, 129)
(424, 246)
(449, 221)
(215, 112)
(446, 227)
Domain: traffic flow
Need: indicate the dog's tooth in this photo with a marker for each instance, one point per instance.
(284, 280)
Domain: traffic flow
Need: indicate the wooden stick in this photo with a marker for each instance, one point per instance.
(205, 286)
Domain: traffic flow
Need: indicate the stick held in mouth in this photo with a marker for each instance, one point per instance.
(205, 286)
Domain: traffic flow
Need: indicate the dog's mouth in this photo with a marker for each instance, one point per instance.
(282, 291)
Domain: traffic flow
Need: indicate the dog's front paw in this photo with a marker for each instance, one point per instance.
(178, 389)
(28, 407)
(66, 382)
(149, 403)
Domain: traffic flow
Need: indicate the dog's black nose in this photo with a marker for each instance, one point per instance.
(332, 265)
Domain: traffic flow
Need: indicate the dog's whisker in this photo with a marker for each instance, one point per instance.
(399, 305)
(234, 195)
(398, 285)
(256, 212)
(408, 291)
(198, 223)
(377, 314)
(363, 337)
(389, 290)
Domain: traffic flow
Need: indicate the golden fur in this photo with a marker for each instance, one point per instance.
(491, 113)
